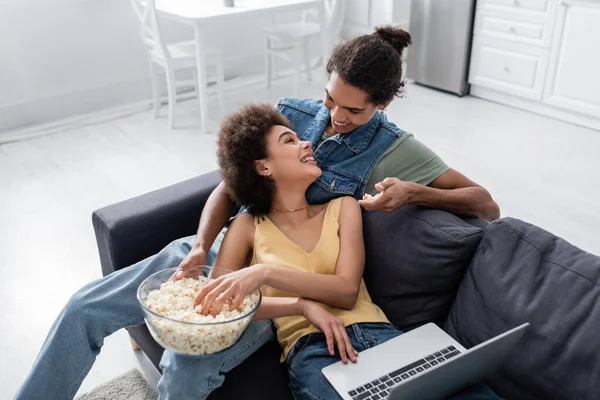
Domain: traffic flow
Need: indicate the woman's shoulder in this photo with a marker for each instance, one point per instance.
(241, 230)
(244, 223)
(344, 205)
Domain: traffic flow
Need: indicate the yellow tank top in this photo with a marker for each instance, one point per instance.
(271, 246)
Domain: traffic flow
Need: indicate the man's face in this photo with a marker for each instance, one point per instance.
(347, 104)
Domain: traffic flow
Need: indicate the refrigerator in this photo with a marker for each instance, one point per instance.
(442, 32)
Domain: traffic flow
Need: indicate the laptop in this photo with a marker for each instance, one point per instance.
(425, 363)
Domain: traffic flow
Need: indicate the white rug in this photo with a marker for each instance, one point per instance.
(129, 386)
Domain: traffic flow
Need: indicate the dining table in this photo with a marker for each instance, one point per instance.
(205, 15)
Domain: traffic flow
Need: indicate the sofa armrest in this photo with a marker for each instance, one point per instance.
(129, 231)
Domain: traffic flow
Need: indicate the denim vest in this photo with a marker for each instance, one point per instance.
(347, 160)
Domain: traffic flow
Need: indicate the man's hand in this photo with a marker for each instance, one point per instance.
(394, 193)
(195, 257)
(332, 327)
(231, 287)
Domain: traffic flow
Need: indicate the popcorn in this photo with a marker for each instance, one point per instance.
(368, 197)
(175, 300)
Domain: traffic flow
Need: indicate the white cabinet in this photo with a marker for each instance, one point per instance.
(511, 40)
(573, 80)
(517, 5)
(539, 55)
(511, 28)
(508, 67)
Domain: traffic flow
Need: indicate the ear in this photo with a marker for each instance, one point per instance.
(262, 168)
(383, 106)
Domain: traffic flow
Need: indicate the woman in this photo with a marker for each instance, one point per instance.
(296, 252)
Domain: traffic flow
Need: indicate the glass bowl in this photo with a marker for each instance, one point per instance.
(193, 338)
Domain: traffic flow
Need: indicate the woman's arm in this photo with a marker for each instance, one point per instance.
(337, 290)
(234, 251)
(326, 322)
(275, 307)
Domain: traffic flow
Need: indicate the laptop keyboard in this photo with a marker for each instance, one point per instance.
(379, 388)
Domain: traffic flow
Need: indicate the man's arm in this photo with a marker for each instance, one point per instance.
(216, 212)
(456, 193)
(214, 216)
(452, 192)
(414, 174)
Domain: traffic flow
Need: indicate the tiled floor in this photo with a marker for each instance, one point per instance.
(538, 169)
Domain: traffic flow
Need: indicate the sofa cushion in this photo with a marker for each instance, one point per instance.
(521, 273)
(415, 260)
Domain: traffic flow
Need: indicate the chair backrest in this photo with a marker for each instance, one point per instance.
(334, 12)
(145, 11)
(334, 16)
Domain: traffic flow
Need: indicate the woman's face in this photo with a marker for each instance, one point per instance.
(290, 160)
(348, 105)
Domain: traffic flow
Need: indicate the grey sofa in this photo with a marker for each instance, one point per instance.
(473, 279)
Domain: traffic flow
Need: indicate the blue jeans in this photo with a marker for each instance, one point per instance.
(310, 355)
(109, 304)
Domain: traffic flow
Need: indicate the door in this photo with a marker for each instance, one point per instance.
(573, 80)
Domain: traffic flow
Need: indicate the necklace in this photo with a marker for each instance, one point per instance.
(292, 210)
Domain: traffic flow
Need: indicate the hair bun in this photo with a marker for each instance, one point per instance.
(397, 37)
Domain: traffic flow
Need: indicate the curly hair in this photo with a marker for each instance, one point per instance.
(373, 63)
(242, 141)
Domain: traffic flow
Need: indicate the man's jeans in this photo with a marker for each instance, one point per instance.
(310, 355)
(109, 304)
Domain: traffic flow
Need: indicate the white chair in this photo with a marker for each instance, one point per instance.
(173, 57)
(291, 41)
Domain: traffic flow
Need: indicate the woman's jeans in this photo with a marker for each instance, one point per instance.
(109, 304)
(310, 355)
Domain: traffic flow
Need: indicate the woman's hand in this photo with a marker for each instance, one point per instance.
(231, 287)
(332, 327)
(394, 193)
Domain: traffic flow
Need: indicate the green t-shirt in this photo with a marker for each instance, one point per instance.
(408, 160)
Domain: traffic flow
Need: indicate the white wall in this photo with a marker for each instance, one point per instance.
(61, 58)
